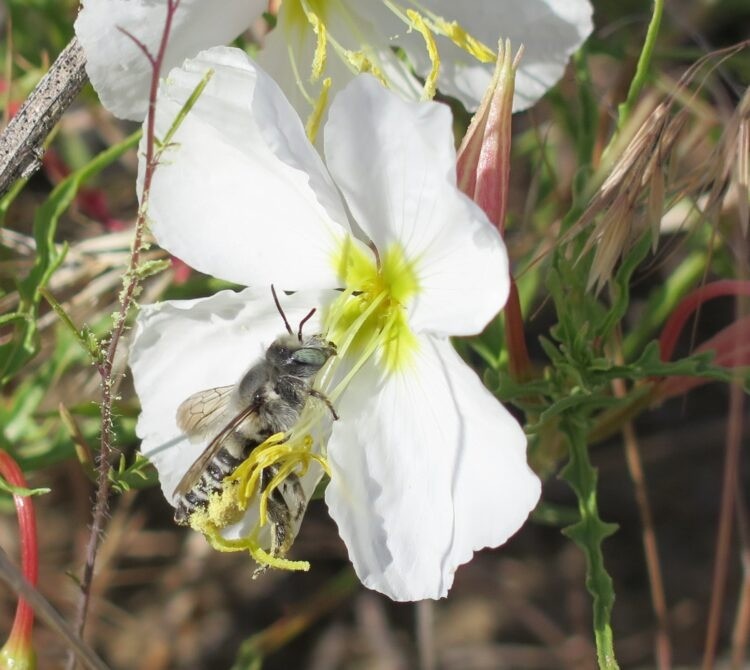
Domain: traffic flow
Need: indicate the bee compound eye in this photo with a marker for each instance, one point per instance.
(309, 357)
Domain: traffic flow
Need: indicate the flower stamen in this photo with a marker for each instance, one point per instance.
(370, 315)
(321, 42)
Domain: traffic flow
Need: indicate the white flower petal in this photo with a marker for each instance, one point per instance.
(241, 194)
(550, 31)
(427, 468)
(494, 490)
(394, 162)
(118, 69)
(185, 346)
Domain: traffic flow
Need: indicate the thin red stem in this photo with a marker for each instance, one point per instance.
(24, 620)
(676, 322)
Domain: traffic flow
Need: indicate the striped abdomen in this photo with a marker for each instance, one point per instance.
(221, 466)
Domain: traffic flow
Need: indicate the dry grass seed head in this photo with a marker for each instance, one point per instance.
(633, 196)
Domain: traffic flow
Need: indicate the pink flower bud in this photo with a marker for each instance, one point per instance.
(483, 164)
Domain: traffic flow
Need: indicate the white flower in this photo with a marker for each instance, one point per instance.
(426, 466)
(360, 34)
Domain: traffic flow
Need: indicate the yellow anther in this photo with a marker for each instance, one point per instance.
(289, 453)
(321, 43)
(264, 558)
(463, 40)
(312, 127)
(419, 24)
(249, 544)
(364, 64)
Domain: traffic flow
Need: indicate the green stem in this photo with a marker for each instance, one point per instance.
(644, 62)
(589, 533)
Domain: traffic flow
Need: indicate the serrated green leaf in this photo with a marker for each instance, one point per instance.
(578, 402)
(589, 533)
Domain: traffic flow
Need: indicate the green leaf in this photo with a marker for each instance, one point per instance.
(20, 490)
(186, 109)
(620, 286)
(24, 344)
(150, 268)
(139, 474)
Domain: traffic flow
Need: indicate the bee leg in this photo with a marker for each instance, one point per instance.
(278, 514)
(297, 495)
(281, 538)
(322, 396)
(281, 530)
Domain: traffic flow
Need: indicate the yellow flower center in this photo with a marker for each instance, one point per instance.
(370, 317)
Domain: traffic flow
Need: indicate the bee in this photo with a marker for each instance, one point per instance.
(268, 399)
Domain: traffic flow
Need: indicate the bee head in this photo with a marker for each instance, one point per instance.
(303, 357)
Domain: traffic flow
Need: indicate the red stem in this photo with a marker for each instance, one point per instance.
(674, 325)
(105, 367)
(24, 619)
(518, 354)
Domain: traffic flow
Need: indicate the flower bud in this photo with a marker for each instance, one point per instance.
(483, 163)
(483, 173)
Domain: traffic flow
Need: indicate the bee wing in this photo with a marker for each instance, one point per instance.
(201, 463)
(202, 411)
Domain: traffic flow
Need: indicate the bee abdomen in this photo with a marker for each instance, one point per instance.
(222, 465)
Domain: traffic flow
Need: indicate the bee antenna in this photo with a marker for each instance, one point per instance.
(281, 311)
(303, 322)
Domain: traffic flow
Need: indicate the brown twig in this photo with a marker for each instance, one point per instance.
(729, 488)
(726, 517)
(105, 367)
(662, 644)
(21, 143)
(741, 629)
(425, 615)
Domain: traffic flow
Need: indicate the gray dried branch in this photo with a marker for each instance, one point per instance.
(21, 143)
